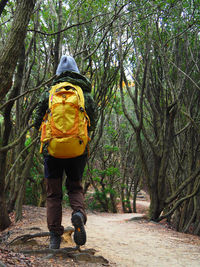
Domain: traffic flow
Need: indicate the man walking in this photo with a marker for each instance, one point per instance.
(67, 71)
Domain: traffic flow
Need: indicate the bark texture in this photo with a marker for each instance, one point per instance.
(8, 61)
(10, 52)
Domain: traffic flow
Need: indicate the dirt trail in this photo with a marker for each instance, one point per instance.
(139, 243)
(123, 242)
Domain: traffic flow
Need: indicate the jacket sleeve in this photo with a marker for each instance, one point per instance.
(91, 109)
(41, 109)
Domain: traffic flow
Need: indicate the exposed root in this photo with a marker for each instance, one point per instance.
(26, 237)
(74, 253)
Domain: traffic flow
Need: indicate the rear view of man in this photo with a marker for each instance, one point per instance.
(66, 86)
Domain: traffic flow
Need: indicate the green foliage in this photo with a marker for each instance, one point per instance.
(28, 141)
(29, 196)
(104, 190)
(33, 185)
(127, 203)
(65, 201)
(33, 191)
(92, 202)
(110, 171)
(111, 148)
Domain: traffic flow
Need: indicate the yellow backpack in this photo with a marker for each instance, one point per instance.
(64, 126)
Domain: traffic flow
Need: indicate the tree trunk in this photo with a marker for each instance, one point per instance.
(8, 60)
(10, 52)
(15, 91)
(4, 217)
(22, 181)
(113, 203)
(42, 197)
(58, 38)
(135, 192)
(154, 209)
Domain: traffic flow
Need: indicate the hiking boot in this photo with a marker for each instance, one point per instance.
(79, 233)
(55, 241)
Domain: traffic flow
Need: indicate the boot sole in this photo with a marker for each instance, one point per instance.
(79, 233)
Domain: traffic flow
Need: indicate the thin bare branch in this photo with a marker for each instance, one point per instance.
(20, 154)
(14, 143)
(182, 186)
(27, 92)
(69, 27)
(106, 31)
(185, 74)
(180, 33)
(179, 202)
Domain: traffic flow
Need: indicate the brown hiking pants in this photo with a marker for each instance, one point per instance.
(54, 169)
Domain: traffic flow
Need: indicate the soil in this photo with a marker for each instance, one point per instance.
(123, 239)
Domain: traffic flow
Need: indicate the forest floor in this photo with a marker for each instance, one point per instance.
(118, 240)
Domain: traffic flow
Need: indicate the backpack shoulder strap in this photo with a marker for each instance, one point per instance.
(81, 95)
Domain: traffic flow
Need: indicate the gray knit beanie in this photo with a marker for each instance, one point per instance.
(67, 63)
